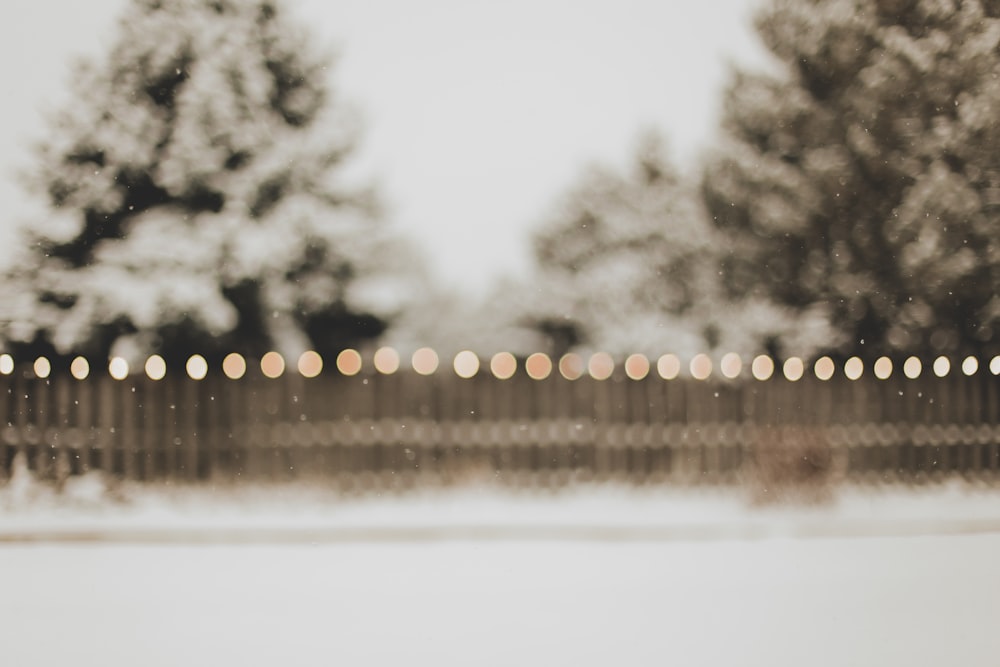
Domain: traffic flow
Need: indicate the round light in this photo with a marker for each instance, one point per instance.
(6, 364)
(156, 367)
(79, 368)
(42, 367)
(762, 367)
(942, 366)
(824, 368)
(503, 365)
(466, 364)
(731, 365)
(386, 360)
(701, 367)
(882, 368)
(637, 367)
(310, 364)
(538, 366)
(854, 368)
(600, 366)
(349, 362)
(995, 365)
(196, 367)
(272, 365)
(912, 368)
(793, 369)
(571, 366)
(424, 361)
(234, 366)
(118, 368)
(668, 366)
(970, 365)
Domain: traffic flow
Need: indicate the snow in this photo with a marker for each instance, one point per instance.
(91, 507)
(110, 575)
(918, 601)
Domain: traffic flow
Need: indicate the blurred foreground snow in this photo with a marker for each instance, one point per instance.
(599, 575)
(89, 508)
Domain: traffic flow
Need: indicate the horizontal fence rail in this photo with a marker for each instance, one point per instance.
(383, 424)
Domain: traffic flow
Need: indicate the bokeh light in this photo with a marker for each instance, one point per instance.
(995, 365)
(600, 366)
(272, 365)
(234, 366)
(731, 365)
(6, 364)
(466, 364)
(701, 367)
(538, 366)
(668, 366)
(762, 367)
(156, 367)
(118, 368)
(824, 368)
(42, 367)
(503, 365)
(79, 368)
(386, 360)
(793, 369)
(912, 368)
(970, 365)
(425, 361)
(571, 366)
(349, 362)
(854, 368)
(942, 366)
(637, 366)
(196, 367)
(882, 368)
(310, 364)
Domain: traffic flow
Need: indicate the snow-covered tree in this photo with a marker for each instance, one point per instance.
(451, 322)
(199, 198)
(863, 173)
(628, 263)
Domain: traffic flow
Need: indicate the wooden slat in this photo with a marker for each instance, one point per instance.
(392, 427)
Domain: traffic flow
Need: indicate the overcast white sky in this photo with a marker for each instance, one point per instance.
(478, 112)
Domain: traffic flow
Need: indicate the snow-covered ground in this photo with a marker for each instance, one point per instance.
(88, 509)
(482, 576)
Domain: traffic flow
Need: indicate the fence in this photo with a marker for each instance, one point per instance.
(364, 425)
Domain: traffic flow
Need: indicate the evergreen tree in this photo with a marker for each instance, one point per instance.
(198, 198)
(863, 174)
(628, 263)
(450, 322)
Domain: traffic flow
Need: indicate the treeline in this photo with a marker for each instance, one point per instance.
(200, 204)
(851, 207)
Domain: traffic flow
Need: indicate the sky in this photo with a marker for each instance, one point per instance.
(477, 115)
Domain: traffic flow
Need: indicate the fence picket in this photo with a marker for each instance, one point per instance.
(401, 424)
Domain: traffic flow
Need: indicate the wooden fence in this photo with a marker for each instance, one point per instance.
(398, 427)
